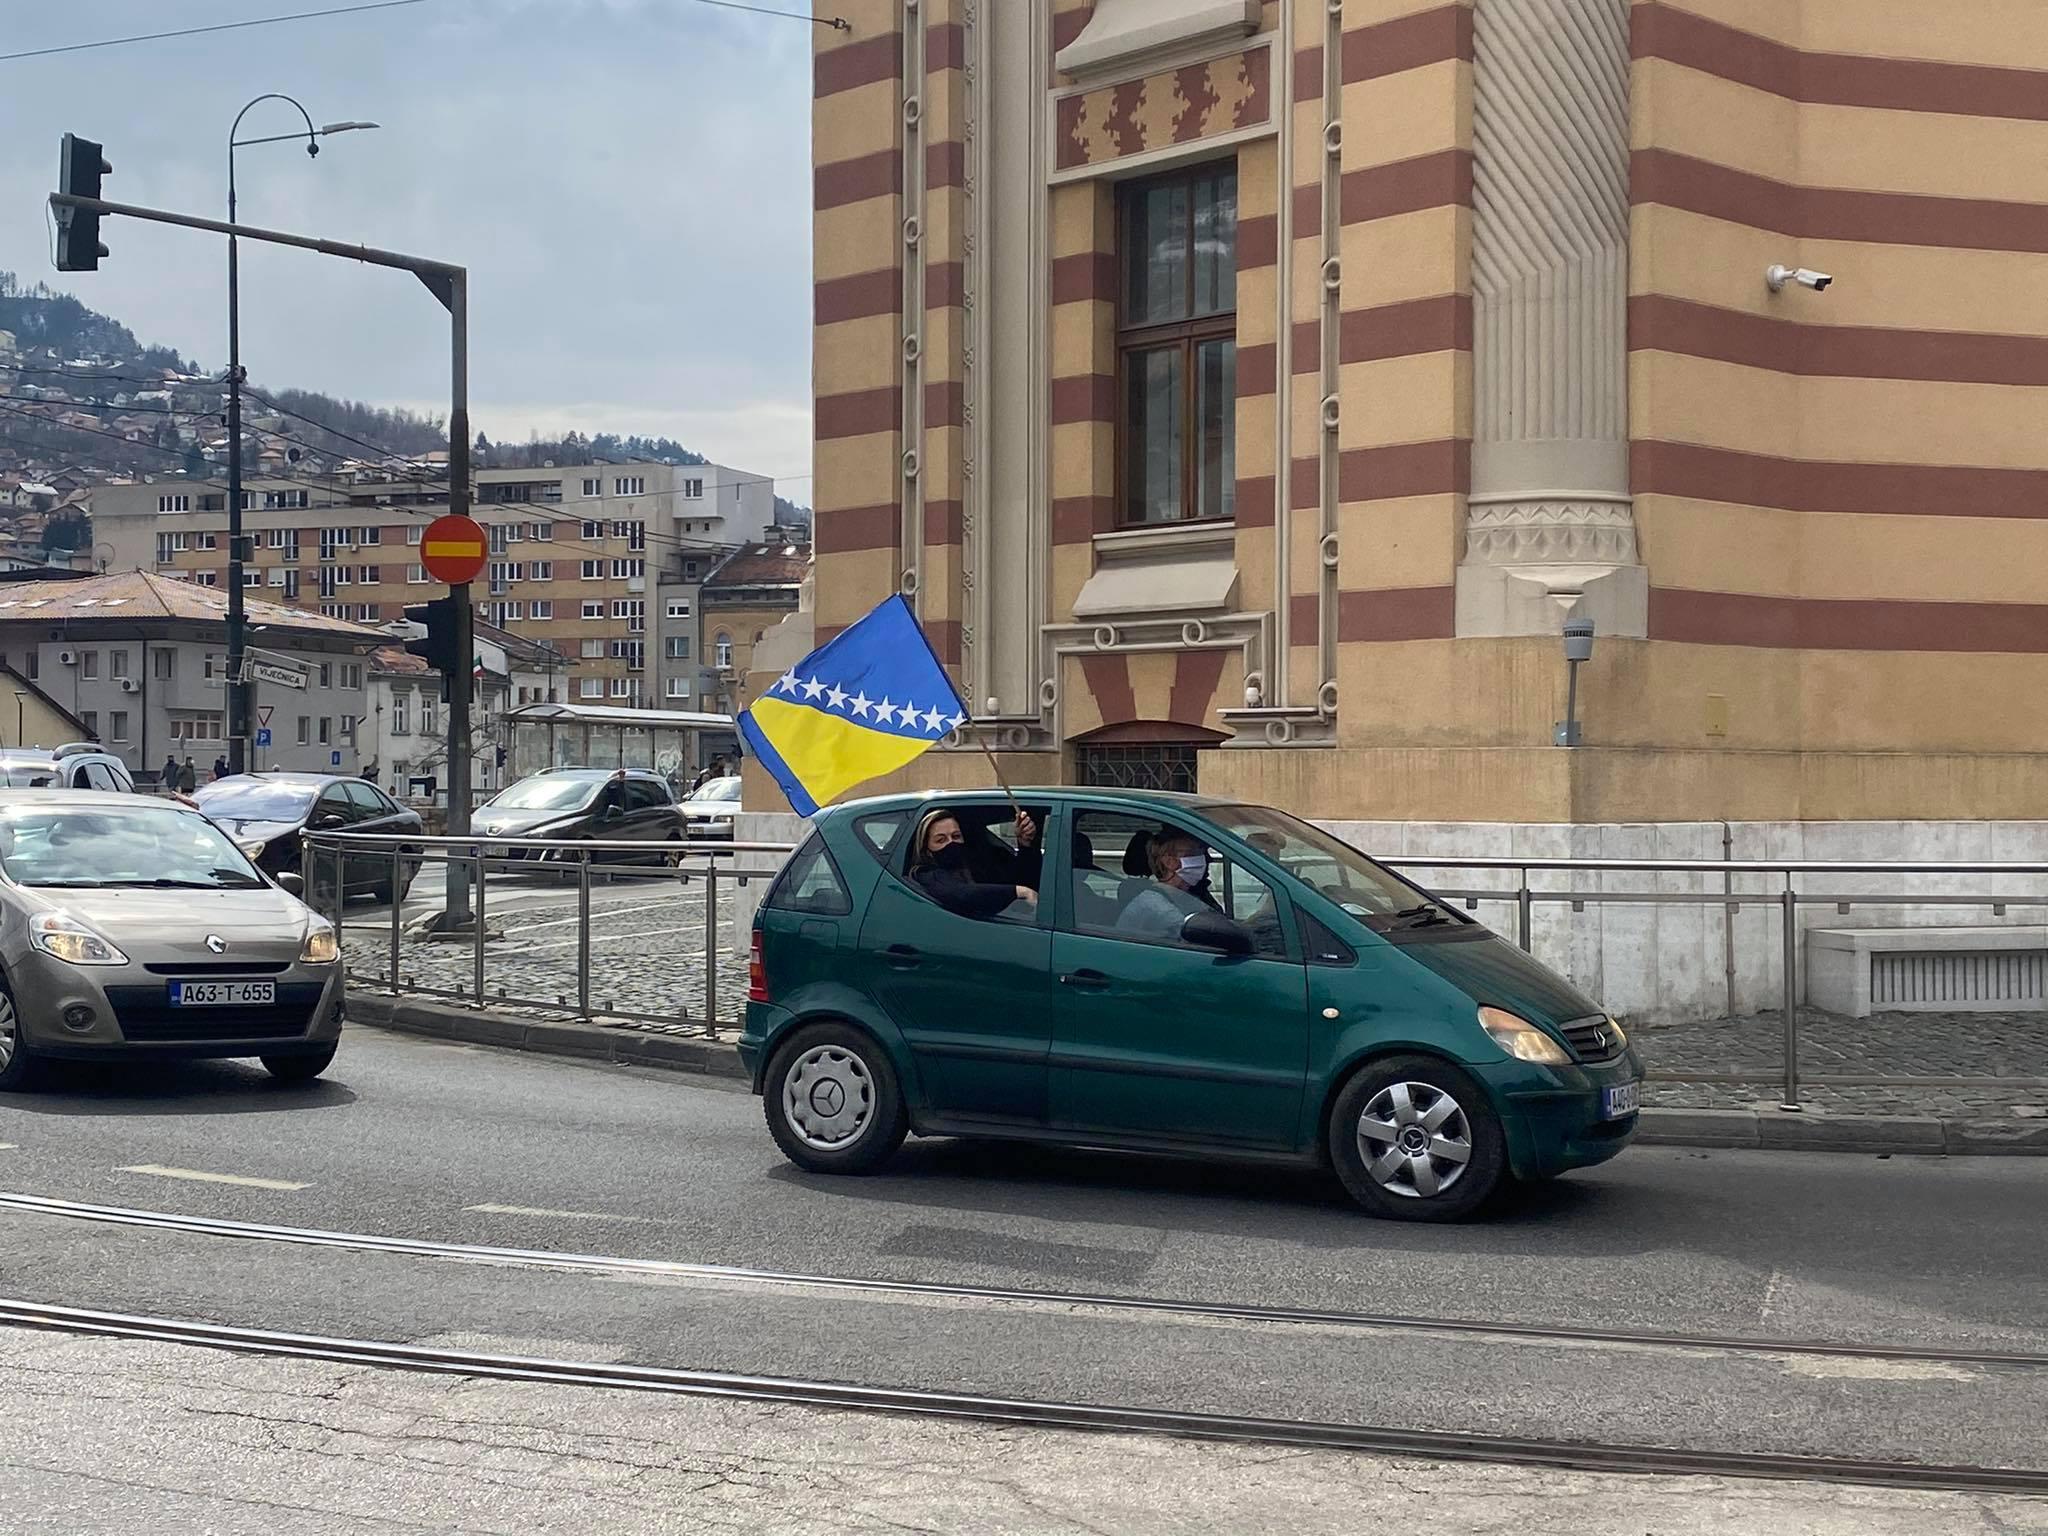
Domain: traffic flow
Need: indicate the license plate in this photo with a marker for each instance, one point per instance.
(222, 994)
(1621, 1099)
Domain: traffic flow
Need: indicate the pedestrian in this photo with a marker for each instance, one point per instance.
(168, 779)
(220, 766)
(944, 868)
(188, 776)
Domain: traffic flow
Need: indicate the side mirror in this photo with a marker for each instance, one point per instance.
(290, 883)
(327, 821)
(1212, 930)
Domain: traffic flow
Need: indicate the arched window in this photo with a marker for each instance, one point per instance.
(722, 649)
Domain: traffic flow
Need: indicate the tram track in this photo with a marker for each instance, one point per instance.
(1165, 1308)
(1432, 1445)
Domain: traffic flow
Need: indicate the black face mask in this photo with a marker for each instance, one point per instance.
(952, 856)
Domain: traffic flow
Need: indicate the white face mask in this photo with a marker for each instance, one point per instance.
(1193, 866)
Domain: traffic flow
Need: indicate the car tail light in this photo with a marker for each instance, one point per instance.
(757, 973)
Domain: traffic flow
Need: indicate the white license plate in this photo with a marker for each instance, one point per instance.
(222, 994)
(1621, 1099)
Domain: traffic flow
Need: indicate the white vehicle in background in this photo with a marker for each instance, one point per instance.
(76, 765)
(708, 813)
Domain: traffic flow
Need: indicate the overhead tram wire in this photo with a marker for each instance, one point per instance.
(223, 26)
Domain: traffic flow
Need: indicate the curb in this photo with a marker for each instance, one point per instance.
(585, 1042)
(1755, 1130)
(1819, 1131)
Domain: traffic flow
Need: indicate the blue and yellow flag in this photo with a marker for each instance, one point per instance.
(868, 701)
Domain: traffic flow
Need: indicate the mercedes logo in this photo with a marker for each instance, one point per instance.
(216, 943)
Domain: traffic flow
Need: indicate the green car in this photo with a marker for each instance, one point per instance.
(1193, 977)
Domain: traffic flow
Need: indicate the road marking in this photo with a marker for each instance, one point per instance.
(8, 1146)
(557, 922)
(534, 1210)
(157, 1171)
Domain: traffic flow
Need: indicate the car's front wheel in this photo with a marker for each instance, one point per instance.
(1415, 1139)
(299, 1066)
(18, 1066)
(832, 1101)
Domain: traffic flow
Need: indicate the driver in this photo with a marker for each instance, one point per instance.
(1180, 876)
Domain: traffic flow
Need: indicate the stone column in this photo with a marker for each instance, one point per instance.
(1549, 527)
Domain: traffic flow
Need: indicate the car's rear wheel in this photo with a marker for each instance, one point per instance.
(299, 1066)
(832, 1101)
(19, 1067)
(1415, 1139)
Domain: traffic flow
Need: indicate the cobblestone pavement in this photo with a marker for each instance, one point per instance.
(648, 945)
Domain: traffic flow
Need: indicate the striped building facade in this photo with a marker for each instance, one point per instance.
(1500, 352)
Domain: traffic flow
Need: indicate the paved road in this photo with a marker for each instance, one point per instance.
(463, 1144)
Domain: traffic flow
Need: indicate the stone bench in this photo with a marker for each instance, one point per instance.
(1861, 971)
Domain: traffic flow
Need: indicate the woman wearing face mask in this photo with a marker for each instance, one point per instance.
(941, 868)
(1180, 874)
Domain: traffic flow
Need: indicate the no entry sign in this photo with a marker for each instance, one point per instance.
(454, 549)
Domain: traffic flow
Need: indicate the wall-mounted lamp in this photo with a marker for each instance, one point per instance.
(1578, 648)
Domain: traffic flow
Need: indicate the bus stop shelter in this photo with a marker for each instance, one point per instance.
(675, 743)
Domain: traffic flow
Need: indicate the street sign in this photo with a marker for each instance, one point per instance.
(334, 759)
(271, 672)
(263, 713)
(455, 549)
(263, 736)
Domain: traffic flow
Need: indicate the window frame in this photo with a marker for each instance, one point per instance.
(1214, 843)
(1189, 334)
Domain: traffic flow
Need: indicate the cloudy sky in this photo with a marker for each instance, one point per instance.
(626, 180)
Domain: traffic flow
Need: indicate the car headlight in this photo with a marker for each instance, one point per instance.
(1620, 1034)
(321, 947)
(252, 848)
(64, 937)
(1521, 1039)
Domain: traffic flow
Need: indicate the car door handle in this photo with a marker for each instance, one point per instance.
(902, 957)
(1088, 981)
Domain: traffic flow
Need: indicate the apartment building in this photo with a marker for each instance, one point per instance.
(576, 550)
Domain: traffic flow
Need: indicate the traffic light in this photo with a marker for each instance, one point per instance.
(441, 646)
(80, 165)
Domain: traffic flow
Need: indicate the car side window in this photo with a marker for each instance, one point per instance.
(333, 802)
(1114, 894)
(97, 776)
(1322, 946)
(882, 833)
(641, 795)
(80, 779)
(810, 883)
(367, 802)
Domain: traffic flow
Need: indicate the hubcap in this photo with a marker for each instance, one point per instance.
(1414, 1140)
(828, 1097)
(6, 1031)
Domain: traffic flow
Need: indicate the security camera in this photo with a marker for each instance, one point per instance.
(1805, 277)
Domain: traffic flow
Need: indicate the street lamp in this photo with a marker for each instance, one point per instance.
(237, 684)
(1578, 649)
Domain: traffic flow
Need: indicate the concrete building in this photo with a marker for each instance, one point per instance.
(405, 730)
(1248, 392)
(139, 660)
(750, 592)
(573, 549)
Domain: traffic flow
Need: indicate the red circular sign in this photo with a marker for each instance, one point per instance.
(454, 549)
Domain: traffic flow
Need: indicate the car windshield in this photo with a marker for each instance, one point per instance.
(548, 794)
(718, 792)
(1381, 900)
(158, 848)
(252, 799)
(20, 775)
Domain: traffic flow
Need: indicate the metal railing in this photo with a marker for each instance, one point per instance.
(1768, 885)
(330, 865)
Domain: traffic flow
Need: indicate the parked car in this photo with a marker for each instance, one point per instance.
(1319, 1009)
(78, 765)
(266, 813)
(133, 926)
(708, 813)
(583, 805)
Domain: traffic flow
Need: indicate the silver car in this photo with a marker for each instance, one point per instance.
(132, 926)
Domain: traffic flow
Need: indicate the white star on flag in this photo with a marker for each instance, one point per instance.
(861, 702)
(812, 688)
(886, 712)
(933, 720)
(909, 714)
(956, 722)
(786, 684)
(836, 698)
